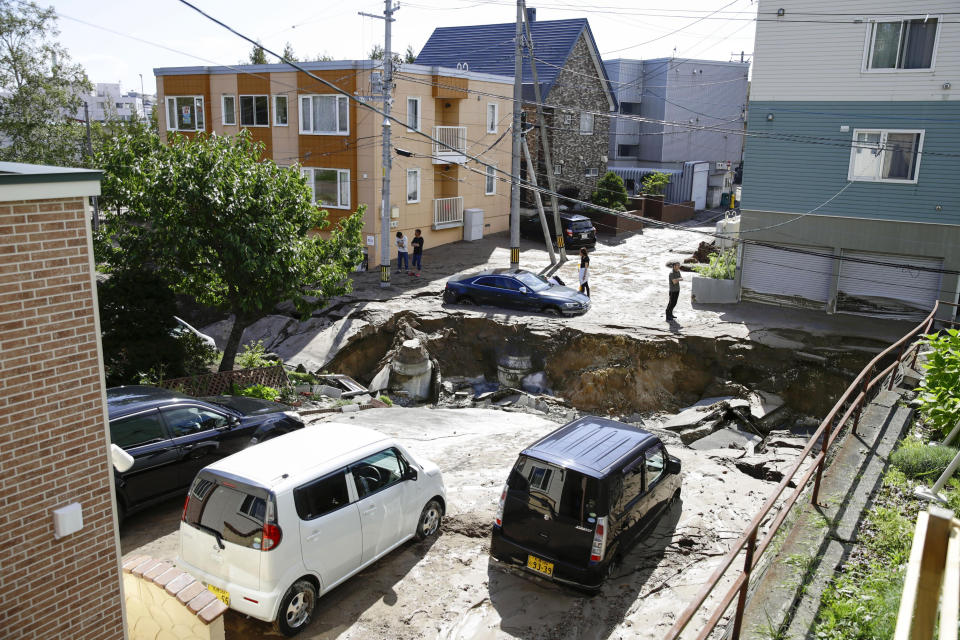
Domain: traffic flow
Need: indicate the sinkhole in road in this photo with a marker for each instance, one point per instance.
(615, 372)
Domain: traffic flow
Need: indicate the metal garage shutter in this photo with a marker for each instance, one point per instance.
(896, 291)
(787, 278)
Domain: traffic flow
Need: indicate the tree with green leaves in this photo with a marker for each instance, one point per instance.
(288, 53)
(410, 56)
(610, 192)
(654, 184)
(40, 88)
(258, 55)
(376, 53)
(223, 226)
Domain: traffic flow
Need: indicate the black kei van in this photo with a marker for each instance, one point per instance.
(576, 499)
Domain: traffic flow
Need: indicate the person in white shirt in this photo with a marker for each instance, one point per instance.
(584, 272)
(402, 255)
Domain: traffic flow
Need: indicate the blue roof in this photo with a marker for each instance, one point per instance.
(591, 445)
(490, 48)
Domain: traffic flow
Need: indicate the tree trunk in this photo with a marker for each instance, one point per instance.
(233, 342)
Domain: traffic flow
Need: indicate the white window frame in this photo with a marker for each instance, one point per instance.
(276, 112)
(490, 177)
(419, 122)
(223, 109)
(558, 168)
(407, 186)
(342, 103)
(584, 131)
(495, 119)
(253, 97)
(883, 139)
(868, 40)
(197, 107)
(342, 174)
(591, 172)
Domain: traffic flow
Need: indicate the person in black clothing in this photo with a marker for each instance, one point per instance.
(584, 272)
(673, 279)
(417, 250)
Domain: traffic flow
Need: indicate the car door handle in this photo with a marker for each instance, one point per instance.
(316, 534)
(369, 510)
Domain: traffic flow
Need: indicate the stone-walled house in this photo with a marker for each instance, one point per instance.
(574, 89)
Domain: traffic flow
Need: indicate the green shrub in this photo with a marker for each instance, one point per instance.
(197, 354)
(939, 392)
(723, 266)
(655, 183)
(923, 461)
(610, 192)
(252, 356)
(302, 378)
(260, 391)
(386, 400)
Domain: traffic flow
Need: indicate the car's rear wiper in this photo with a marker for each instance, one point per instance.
(216, 534)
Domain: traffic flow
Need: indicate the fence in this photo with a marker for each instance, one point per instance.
(857, 395)
(214, 384)
(447, 212)
(455, 137)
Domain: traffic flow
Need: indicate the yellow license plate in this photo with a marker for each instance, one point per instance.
(540, 566)
(223, 596)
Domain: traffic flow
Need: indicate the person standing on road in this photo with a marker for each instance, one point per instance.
(673, 279)
(584, 272)
(402, 252)
(417, 250)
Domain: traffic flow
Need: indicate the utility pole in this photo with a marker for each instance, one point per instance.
(386, 89)
(93, 199)
(515, 156)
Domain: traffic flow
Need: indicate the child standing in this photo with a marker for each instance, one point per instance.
(402, 252)
(417, 250)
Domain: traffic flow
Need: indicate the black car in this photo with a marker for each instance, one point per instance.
(579, 497)
(517, 289)
(171, 436)
(578, 230)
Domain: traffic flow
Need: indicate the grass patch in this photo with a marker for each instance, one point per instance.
(922, 461)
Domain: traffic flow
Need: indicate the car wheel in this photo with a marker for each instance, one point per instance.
(466, 301)
(551, 311)
(430, 519)
(296, 608)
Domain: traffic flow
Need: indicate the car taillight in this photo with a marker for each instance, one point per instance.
(498, 521)
(271, 537)
(569, 232)
(186, 503)
(599, 541)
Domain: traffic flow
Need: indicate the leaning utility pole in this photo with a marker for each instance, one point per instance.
(386, 88)
(93, 199)
(515, 157)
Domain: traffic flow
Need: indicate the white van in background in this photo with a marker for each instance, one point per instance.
(272, 527)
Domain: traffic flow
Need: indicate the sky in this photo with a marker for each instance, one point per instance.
(118, 40)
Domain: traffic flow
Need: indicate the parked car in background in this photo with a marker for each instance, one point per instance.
(579, 497)
(516, 289)
(578, 230)
(271, 528)
(171, 436)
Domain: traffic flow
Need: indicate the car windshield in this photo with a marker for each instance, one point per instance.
(533, 281)
(581, 225)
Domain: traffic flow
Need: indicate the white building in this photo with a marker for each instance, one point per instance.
(108, 102)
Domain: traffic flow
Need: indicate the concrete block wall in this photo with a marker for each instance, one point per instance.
(165, 603)
(53, 438)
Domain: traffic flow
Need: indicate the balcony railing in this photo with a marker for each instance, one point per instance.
(448, 212)
(455, 137)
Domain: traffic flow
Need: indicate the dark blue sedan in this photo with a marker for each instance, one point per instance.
(516, 289)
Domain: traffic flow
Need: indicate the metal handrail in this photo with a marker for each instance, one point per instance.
(859, 389)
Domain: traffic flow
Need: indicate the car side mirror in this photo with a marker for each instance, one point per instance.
(411, 474)
(122, 461)
(673, 466)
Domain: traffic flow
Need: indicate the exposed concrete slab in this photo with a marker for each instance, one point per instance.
(727, 439)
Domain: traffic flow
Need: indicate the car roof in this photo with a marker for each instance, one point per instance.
(503, 271)
(591, 445)
(573, 217)
(129, 399)
(298, 456)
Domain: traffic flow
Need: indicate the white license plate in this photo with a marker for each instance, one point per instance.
(584, 235)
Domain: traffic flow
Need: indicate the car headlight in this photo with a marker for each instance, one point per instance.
(571, 305)
(294, 415)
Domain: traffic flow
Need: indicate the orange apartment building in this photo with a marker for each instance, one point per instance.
(338, 146)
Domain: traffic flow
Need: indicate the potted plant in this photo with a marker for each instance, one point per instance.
(653, 185)
(715, 283)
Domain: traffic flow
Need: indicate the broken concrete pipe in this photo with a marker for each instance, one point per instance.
(511, 370)
(411, 370)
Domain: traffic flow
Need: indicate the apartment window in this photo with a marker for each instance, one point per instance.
(591, 172)
(229, 106)
(493, 117)
(254, 111)
(331, 187)
(413, 185)
(558, 169)
(280, 111)
(902, 44)
(586, 124)
(413, 114)
(885, 155)
(185, 113)
(490, 188)
(631, 108)
(628, 150)
(324, 115)
(567, 119)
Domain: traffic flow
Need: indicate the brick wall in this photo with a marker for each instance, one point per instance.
(53, 444)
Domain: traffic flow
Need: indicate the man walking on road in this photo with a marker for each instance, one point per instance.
(673, 280)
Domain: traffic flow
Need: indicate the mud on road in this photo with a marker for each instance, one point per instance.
(448, 588)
